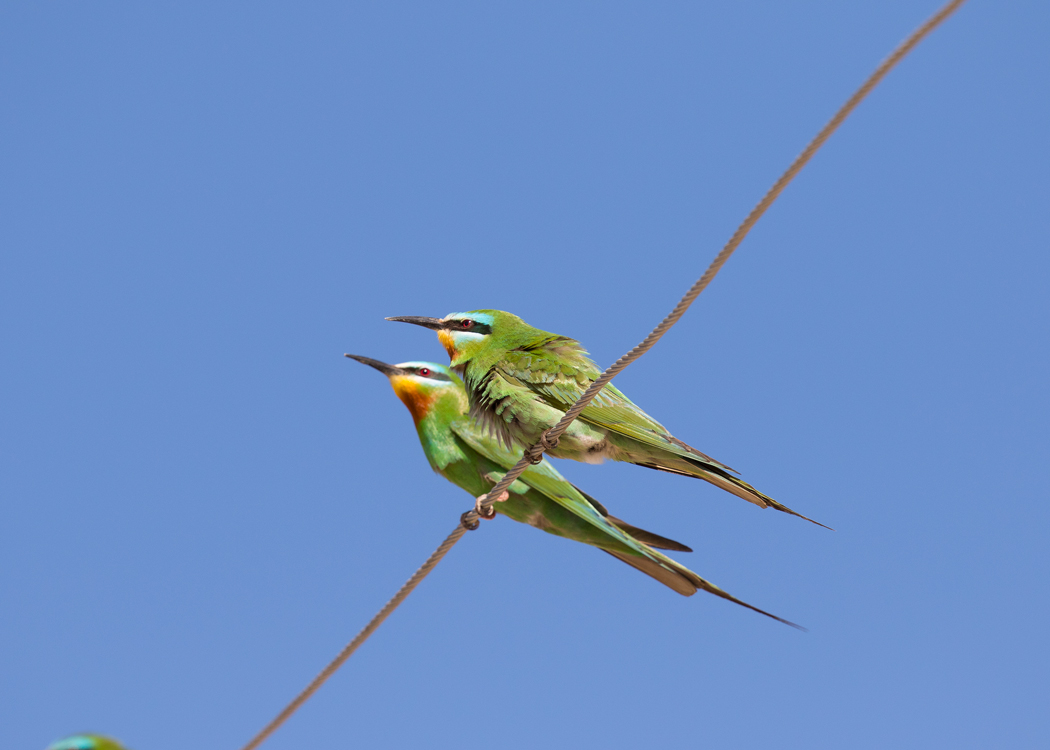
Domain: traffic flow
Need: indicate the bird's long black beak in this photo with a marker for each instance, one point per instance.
(383, 367)
(436, 324)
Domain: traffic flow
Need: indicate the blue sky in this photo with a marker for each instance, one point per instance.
(203, 205)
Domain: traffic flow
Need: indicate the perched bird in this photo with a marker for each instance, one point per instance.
(86, 742)
(521, 381)
(468, 455)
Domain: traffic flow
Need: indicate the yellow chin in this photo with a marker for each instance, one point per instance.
(445, 337)
(408, 391)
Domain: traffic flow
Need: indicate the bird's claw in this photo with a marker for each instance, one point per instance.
(469, 526)
(535, 453)
(488, 513)
(481, 511)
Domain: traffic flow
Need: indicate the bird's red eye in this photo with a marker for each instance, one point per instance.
(424, 371)
(467, 324)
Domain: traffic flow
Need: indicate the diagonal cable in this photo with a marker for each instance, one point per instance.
(550, 438)
(352, 646)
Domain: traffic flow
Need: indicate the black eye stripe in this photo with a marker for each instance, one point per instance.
(432, 373)
(483, 328)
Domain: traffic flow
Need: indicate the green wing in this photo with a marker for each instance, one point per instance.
(544, 478)
(560, 382)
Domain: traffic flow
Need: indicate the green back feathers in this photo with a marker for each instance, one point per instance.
(494, 332)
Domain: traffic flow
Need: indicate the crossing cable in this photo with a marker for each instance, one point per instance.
(549, 439)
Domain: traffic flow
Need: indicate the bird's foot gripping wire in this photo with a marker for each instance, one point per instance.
(467, 524)
(534, 454)
(482, 511)
(489, 513)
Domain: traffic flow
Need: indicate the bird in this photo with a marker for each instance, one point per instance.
(86, 742)
(521, 380)
(469, 456)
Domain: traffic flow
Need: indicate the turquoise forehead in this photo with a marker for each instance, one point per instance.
(80, 742)
(481, 316)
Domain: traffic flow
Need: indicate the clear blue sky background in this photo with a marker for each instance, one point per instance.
(205, 204)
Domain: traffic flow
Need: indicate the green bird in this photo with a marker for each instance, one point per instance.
(521, 381)
(86, 742)
(468, 455)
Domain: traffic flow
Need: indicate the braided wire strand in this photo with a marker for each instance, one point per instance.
(348, 650)
(550, 438)
(574, 411)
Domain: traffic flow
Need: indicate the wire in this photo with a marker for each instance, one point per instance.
(550, 438)
(360, 638)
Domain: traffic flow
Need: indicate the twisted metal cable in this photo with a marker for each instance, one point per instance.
(352, 646)
(549, 439)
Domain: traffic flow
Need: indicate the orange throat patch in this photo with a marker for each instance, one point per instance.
(445, 337)
(416, 400)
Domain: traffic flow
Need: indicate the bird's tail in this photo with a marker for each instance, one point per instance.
(684, 581)
(643, 536)
(698, 469)
(648, 537)
(742, 489)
